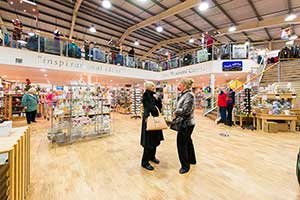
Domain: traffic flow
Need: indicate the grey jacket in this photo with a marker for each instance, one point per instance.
(185, 107)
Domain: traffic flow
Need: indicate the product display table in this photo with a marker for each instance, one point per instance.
(17, 146)
(242, 118)
(262, 118)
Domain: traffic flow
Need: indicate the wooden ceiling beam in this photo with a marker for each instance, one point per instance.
(275, 21)
(75, 12)
(165, 14)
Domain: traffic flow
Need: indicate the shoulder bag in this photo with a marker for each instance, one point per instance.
(156, 123)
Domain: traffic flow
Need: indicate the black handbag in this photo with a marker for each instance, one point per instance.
(298, 167)
(178, 124)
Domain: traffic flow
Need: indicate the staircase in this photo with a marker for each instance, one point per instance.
(289, 72)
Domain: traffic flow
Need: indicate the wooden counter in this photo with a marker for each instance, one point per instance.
(17, 145)
(262, 118)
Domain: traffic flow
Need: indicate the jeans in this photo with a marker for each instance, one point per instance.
(223, 114)
(30, 116)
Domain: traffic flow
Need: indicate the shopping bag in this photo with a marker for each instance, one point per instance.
(156, 123)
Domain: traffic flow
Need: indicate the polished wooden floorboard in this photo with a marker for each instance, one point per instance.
(246, 165)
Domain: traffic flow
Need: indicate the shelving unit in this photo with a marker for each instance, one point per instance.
(136, 102)
(13, 106)
(79, 114)
(2, 104)
(169, 101)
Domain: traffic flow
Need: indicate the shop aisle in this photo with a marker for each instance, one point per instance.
(246, 165)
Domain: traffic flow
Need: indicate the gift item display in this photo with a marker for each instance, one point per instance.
(13, 106)
(169, 101)
(2, 105)
(79, 113)
(136, 96)
(124, 100)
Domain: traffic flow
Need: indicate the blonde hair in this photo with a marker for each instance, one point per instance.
(188, 82)
(148, 85)
(32, 91)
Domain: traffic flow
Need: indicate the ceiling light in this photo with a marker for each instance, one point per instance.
(232, 29)
(111, 80)
(159, 29)
(106, 4)
(191, 40)
(11, 3)
(24, 10)
(45, 75)
(167, 53)
(43, 70)
(293, 37)
(33, 9)
(203, 6)
(31, 34)
(247, 43)
(226, 74)
(92, 29)
(136, 43)
(30, 2)
(290, 17)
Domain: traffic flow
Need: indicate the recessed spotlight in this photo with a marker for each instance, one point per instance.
(106, 4)
(45, 75)
(136, 43)
(92, 29)
(4, 76)
(290, 17)
(191, 40)
(159, 29)
(111, 80)
(11, 3)
(167, 53)
(24, 10)
(226, 74)
(43, 70)
(21, 1)
(247, 43)
(203, 6)
(33, 9)
(232, 29)
(176, 80)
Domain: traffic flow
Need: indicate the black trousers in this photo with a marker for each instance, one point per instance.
(229, 115)
(30, 116)
(185, 147)
(149, 154)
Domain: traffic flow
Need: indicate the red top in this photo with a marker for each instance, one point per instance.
(222, 100)
(210, 41)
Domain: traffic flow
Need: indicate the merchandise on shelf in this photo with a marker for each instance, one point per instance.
(136, 101)
(169, 101)
(80, 112)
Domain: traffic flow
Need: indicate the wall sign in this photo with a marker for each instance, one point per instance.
(232, 66)
(202, 55)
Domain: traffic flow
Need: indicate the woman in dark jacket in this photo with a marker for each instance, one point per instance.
(185, 109)
(150, 139)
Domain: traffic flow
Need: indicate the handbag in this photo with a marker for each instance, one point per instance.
(156, 123)
(178, 124)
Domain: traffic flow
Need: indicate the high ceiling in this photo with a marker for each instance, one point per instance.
(112, 23)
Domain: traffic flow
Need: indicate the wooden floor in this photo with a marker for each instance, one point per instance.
(246, 165)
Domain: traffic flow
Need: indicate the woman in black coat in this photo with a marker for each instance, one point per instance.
(150, 139)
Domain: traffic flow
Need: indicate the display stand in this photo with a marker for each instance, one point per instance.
(15, 170)
(13, 106)
(79, 114)
(169, 101)
(2, 105)
(247, 109)
(136, 103)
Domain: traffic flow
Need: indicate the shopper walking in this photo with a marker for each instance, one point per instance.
(30, 102)
(185, 110)
(222, 106)
(150, 139)
(230, 100)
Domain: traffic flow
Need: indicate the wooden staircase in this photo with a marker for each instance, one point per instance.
(289, 72)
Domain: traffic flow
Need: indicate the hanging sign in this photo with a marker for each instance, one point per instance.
(232, 66)
(239, 51)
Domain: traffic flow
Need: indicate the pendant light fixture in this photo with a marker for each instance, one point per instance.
(203, 6)
(159, 28)
(92, 29)
(106, 4)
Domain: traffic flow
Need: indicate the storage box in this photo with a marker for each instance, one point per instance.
(283, 127)
(271, 127)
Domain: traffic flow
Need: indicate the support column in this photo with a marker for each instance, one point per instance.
(270, 45)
